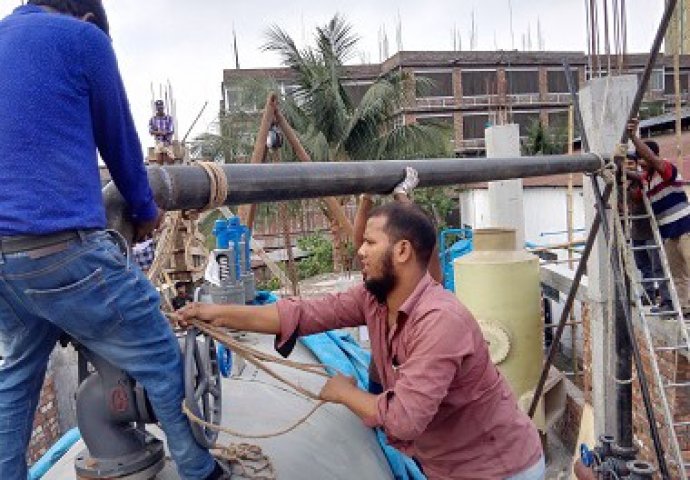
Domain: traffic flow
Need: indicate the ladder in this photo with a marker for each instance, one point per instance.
(648, 318)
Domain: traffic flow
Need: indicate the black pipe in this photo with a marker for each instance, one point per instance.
(570, 299)
(188, 187)
(623, 369)
(622, 297)
(647, 73)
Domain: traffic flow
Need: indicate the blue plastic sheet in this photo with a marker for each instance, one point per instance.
(339, 351)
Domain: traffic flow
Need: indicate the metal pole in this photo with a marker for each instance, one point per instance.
(622, 297)
(565, 313)
(576, 105)
(644, 81)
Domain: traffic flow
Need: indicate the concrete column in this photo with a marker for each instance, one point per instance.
(605, 104)
(506, 205)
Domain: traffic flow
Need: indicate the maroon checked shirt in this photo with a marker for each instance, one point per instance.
(444, 402)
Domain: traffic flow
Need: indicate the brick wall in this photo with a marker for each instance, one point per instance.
(586, 354)
(46, 429)
(673, 368)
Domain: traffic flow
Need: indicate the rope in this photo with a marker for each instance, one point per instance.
(604, 170)
(624, 255)
(258, 359)
(250, 460)
(245, 351)
(218, 191)
(235, 433)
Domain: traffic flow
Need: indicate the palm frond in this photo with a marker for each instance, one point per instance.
(336, 40)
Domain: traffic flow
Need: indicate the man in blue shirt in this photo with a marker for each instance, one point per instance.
(61, 101)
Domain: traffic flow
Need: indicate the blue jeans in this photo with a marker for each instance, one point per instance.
(89, 291)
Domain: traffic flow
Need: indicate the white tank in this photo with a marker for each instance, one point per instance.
(499, 284)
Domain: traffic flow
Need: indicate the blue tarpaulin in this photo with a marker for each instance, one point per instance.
(338, 350)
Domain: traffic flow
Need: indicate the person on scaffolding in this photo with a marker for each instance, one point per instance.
(60, 270)
(666, 193)
(647, 261)
(162, 127)
(443, 403)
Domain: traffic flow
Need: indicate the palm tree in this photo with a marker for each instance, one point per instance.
(235, 131)
(330, 124)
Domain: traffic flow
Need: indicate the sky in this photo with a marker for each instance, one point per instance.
(189, 42)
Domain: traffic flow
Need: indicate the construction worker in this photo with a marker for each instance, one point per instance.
(444, 402)
(401, 193)
(61, 100)
(647, 261)
(162, 127)
(181, 297)
(670, 205)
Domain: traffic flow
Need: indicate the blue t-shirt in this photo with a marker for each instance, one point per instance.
(61, 100)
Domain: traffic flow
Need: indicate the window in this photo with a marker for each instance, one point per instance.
(473, 126)
(478, 83)
(557, 82)
(442, 120)
(656, 80)
(525, 120)
(522, 81)
(669, 85)
(558, 120)
(434, 84)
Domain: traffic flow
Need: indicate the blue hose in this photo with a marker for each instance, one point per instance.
(52, 456)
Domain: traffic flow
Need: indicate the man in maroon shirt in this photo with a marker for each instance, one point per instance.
(444, 403)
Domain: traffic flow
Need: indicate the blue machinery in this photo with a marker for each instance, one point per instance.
(462, 245)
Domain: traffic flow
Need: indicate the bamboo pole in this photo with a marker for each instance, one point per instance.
(247, 213)
(569, 194)
(334, 208)
(569, 221)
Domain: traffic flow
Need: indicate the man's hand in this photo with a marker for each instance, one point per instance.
(337, 388)
(143, 230)
(203, 312)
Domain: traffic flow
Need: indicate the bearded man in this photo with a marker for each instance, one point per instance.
(443, 402)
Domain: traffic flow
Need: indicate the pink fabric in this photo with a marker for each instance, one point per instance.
(444, 402)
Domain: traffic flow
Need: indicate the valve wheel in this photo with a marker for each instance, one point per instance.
(203, 391)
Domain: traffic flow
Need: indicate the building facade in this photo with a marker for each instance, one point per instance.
(469, 90)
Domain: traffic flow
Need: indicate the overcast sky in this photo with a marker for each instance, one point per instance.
(189, 42)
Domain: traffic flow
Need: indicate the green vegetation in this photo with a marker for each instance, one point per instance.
(543, 140)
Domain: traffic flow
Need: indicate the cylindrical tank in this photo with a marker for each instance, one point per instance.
(499, 284)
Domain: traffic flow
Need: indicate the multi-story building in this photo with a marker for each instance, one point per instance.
(470, 90)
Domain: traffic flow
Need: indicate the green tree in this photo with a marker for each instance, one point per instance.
(543, 140)
(331, 126)
(235, 131)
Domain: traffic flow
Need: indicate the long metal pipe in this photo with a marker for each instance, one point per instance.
(622, 297)
(188, 187)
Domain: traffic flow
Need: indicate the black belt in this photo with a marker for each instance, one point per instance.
(29, 243)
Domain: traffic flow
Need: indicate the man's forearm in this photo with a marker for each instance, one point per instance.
(361, 403)
(645, 152)
(259, 319)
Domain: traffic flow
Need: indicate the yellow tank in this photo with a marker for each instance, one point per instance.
(499, 284)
